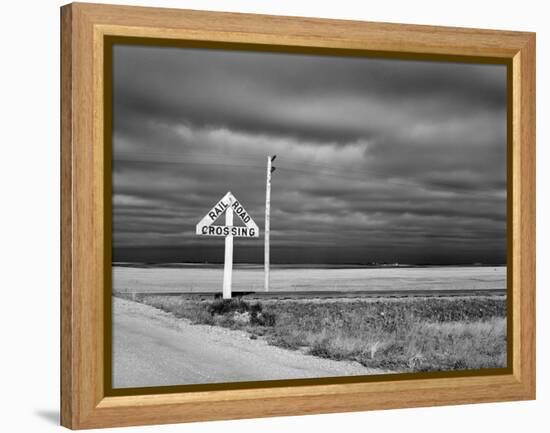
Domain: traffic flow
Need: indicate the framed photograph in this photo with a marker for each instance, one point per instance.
(267, 216)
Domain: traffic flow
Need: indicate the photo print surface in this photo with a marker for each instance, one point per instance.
(383, 185)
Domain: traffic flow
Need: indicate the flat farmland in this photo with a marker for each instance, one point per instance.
(208, 278)
(309, 336)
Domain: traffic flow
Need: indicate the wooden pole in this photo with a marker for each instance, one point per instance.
(266, 231)
(228, 262)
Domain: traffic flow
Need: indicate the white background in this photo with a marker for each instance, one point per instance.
(29, 168)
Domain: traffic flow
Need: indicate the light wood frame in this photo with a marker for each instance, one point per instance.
(84, 221)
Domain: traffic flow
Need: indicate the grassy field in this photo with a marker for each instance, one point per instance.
(208, 278)
(406, 335)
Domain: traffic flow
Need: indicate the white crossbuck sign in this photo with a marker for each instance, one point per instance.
(230, 205)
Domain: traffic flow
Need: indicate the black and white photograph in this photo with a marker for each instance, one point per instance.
(282, 215)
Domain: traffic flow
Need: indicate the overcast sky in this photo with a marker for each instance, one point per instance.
(377, 159)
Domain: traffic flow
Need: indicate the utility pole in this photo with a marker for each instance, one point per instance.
(270, 169)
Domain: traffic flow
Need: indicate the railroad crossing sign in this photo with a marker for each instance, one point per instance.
(230, 205)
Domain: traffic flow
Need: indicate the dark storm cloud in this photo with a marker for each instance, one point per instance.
(378, 159)
(157, 83)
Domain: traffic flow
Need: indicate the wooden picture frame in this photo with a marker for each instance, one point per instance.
(85, 217)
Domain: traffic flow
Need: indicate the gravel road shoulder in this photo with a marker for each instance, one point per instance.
(154, 348)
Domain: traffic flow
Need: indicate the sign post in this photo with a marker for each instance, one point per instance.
(230, 206)
(228, 262)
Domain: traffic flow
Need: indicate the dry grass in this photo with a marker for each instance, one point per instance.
(415, 334)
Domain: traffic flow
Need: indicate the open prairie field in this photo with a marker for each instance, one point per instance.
(399, 335)
(373, 334)
(208, 278)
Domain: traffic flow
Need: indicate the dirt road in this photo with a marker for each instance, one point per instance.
(153, 348)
